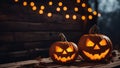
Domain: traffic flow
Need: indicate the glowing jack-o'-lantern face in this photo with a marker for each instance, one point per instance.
(95, 47)
(63, 52)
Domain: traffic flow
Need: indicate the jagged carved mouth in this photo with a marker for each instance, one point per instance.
(64, 59)
(96, 56)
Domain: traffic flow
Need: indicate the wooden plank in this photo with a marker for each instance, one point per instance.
(27, 26)
(36, 36)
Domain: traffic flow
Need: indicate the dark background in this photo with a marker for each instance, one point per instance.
(25, 34)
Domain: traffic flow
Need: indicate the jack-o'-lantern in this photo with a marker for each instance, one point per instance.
(63, 51)
(95, 47)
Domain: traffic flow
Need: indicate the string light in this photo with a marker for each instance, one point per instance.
(90, 17)
(34, 8)
(67, 16)
(65, 8)
(74, 17)
(40, 11)
(24, 3)
(89, 9)
(60, 3)
(32, 4)
(58, 9)
(78, 1)
(94, 13)
(99, 15)
(16, 0)
(42, 7)
(50, 3)
(83, 5)
(83, 17)
(49, 14)
(76, 9)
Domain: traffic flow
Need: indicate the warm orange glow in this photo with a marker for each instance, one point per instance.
(96, 56)
(83, 5)
(67, 16)
(49, 14)
(83, 17)
(65, 8)
(78, 1)
(64, 52)
(58, 49)
(50, 3)
(58, 9)
(64, 59)
(42, 7)
(32, 4)
(34, 8)
(76, 9)
(70, 49)
(60, 3)
(89, 9)
(89, 43)
(74, 17)
(96, 47)
(16, 0)
(103, 42)
(90, 17)
(40, 11)
(94, 13)
(24, 3)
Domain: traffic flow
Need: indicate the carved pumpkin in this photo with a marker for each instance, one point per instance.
(63, 51)
(95, 47)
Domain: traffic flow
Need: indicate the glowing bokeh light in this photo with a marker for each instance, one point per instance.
(58, 9)
(34, 8)
(94, 13)
(83, 17)
(74, 17)
(78, 1)
(89, 9)
(24, 3)
(83, 5)
(50, 3)
(16, 0)
(49, 14)
(76, 9)
(90, 17)
(42, 7)
(67, 16)
(60, 3)
(32, 4)
(65, 8)
(40, 11)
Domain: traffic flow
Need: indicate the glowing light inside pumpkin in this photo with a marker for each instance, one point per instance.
(64, 59)
(96, 56)
(58, 49)
(70, 49)
(64, 52)
(89, 43)
(96, 47)
(103, 42)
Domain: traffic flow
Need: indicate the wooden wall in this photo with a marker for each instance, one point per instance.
(25, 34)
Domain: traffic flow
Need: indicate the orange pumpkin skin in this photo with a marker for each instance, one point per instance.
(95, 47)
(63, 52)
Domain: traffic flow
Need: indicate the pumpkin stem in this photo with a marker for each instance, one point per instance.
(62, 36)
(94, 29)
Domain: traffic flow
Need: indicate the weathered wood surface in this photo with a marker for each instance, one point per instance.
(48, 63)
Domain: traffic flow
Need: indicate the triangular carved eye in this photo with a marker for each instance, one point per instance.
(70, 49)
(103, 42)
(58, 49)
(89, 43)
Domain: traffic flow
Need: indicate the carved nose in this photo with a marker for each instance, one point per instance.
(64, 52)
(96, 47)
